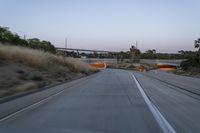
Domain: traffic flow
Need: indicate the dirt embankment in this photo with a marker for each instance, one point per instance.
(191, 72)
(23, 69)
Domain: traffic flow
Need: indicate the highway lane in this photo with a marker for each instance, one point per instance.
(108, 102)
(187, 83)
(181, 108)
(111, 102)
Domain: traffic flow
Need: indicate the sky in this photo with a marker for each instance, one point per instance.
(115, 25)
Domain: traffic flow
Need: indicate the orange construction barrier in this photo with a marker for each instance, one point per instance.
(99, 65)
(166, 67)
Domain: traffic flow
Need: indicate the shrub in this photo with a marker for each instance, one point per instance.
(191, 62)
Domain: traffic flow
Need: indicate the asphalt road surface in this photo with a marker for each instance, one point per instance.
(112, 102)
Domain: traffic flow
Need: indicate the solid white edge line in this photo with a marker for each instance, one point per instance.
(162, 122)
(30, 106)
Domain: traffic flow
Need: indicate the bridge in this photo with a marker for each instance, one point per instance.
(83, 50)
(98, 62)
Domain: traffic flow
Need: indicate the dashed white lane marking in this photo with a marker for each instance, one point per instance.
(162, 122)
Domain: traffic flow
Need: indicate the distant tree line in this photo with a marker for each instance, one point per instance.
(127, 55)
(7, 37)
(183, 55)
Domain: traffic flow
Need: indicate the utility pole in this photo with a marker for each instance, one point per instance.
(65, 46)
(66, 43)
(24, 37)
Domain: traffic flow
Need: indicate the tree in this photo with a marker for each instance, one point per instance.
(6, 36)
(154, 51)
(49, 47)
(181, 52)
(34, 43)
(149, 51)
(193, 61)
(46, 46)
(197, 45)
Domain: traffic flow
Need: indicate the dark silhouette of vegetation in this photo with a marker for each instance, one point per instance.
(193, 61)
(197, 45)
(187, 54)
(150, 54)
(190, 63)
(7, 37)
(46, 46)
(153, 51)
(127, 55)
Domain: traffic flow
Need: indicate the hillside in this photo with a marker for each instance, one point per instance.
(23, 69)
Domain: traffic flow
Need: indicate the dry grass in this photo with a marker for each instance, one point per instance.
(23, 69)
(24, 87)
(18, 88)
(44, 60)
(79, 66)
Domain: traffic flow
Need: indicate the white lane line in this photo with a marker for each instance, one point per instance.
(31, 106)
(35, 104)
(162, 122)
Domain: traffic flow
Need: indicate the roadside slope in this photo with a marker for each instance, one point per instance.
(23, 69)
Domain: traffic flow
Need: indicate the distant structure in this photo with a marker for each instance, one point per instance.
(135, 54)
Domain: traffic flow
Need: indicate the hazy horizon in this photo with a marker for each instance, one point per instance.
(167, 26)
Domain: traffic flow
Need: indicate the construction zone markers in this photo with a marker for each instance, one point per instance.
(99, 65)
(166, 67)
